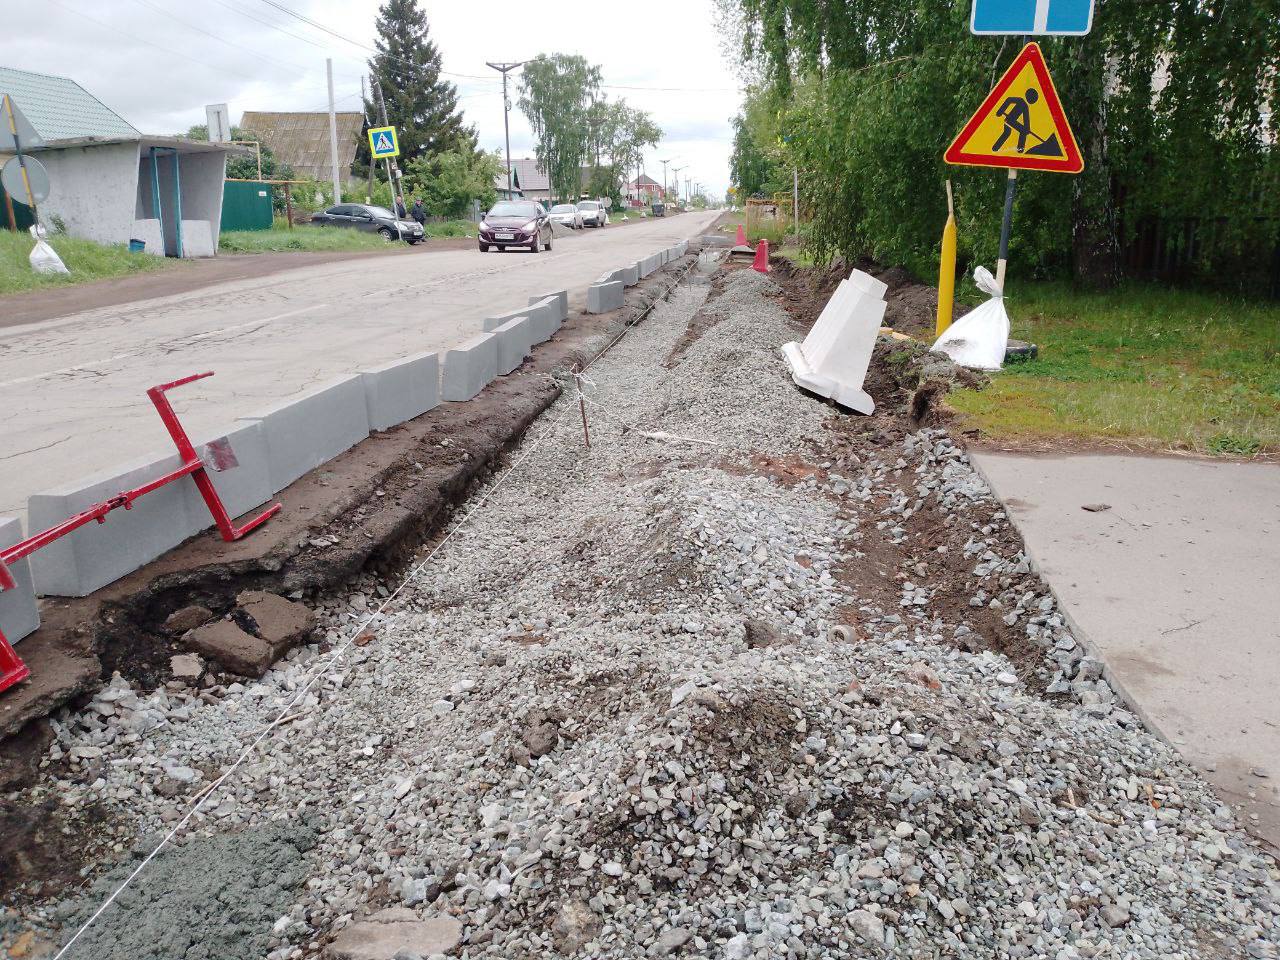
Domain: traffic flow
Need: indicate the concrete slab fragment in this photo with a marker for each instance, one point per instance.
(605, 297)
(401, 390)
(650, 265)
(19, 614)
(515, 341)
(631, 275)
(98, 554)
(313, 428)
(469, 367)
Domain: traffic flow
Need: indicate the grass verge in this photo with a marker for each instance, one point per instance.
(1143, 365)
(85, 259)
(282, 239)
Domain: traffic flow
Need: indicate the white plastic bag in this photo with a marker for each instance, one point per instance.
(979, 339)
(43, 258)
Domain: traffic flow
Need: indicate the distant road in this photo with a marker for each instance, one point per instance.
(73, 388)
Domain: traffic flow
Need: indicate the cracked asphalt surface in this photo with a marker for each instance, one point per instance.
(73, 389)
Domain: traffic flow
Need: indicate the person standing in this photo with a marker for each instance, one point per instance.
(401, 212)
(419, 212)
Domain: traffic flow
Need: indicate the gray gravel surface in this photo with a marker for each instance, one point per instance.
(612, 718)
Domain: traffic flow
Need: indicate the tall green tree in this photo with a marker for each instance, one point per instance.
(448, 182)
(420, 103)
(1170, 101)
(556, 95)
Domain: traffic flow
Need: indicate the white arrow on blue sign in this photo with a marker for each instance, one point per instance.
(1070, 18)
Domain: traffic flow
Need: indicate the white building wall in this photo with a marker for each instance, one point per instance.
(93, 190)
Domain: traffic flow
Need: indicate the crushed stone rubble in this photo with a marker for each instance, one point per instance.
(636, 709)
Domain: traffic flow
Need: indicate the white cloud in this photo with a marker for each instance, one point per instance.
(158, 62)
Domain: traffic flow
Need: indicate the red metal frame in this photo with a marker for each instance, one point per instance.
(12, 669)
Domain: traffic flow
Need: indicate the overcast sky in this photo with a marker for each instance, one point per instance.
(158, 62)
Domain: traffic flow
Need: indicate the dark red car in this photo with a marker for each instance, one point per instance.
(516, 223)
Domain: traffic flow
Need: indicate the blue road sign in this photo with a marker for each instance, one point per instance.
(1072, 18)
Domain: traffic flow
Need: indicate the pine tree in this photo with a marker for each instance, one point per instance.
(422, 106)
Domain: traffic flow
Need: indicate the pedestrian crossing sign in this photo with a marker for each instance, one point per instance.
(383, 142)
(1021, 125)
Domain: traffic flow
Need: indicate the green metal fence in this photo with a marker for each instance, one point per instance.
(246, 205)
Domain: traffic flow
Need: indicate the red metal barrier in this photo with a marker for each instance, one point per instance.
(12, 669)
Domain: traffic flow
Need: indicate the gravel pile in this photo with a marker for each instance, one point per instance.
(638, 709)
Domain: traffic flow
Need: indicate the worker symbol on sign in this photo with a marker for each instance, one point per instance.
(1016, 113)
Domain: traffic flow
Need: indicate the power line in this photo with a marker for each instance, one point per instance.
(133, 37)
(291, 67)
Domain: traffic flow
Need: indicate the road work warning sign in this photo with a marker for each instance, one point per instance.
(383, 142)
(1021, 124)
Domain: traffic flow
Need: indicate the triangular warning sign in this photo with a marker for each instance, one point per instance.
(384, 144)
(1021, 124)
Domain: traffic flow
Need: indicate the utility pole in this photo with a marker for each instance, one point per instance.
(333, 138)
(676, 171)
(396, 188)
(368, 197)
(504, 69)
(665, 185)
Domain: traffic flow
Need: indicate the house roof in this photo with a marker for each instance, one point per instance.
(301, 140)
(530, 175)
(60, 109)
(644, 180)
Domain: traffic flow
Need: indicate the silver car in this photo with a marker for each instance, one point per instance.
(567, 215)
(593, 213)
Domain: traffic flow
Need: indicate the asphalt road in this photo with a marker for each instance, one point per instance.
(73, 389)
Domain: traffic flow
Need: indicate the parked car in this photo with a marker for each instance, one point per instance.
(370, 219)
(658, 210)
(566, 214)
(516, 223)
(593, 213)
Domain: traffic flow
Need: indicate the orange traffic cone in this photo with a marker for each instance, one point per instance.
(761, 262)
(742, 237)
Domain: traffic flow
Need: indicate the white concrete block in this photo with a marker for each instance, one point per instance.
(562, 302)
(834, 357)
(239, 464)
(631, 275)
(613, 275)
(19, 614)
(544, 316)
(515, 342)
(99, 554)
(401, 390)
(197, 239)
(649, 265)
(469, 367)
(604, 297)
(313, 428)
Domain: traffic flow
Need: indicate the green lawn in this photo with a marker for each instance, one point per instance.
(281, 239)
(1143, 365)
(86, 261)
(450, 228)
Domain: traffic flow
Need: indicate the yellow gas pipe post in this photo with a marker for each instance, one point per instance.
(947, 268)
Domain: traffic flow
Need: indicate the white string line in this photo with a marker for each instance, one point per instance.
(337, 655)
(341, 651)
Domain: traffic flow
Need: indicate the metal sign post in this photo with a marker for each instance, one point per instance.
(1020, 126)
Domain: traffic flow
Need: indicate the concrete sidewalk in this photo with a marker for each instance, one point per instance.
(1175, 588)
